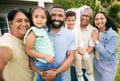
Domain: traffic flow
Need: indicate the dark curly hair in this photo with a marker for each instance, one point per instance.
(70, 13)
(109, 24)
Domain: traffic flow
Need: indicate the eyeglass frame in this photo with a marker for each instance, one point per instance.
(87, 16)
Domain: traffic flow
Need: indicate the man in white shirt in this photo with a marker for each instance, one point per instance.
(83, 58)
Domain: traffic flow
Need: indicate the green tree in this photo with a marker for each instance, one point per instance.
(114, 12)
(67, 4)
(75, 3)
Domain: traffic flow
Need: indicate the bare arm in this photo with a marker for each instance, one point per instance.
(5, 55)
(33, 67)
(90, 49)
(29, 44)
(50, 75)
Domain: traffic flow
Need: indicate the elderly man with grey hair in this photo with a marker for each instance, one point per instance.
(85, 52)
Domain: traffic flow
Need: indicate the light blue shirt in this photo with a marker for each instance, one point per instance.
(63, 41)
(42, 43)
(107, 46)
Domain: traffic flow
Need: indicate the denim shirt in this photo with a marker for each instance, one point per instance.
(107, 46)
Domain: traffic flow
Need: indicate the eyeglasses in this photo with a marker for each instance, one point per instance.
(87, 16)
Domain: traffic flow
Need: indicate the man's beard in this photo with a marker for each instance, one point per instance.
(55, 25)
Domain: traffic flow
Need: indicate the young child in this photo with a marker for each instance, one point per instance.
(37, 43)
(70, 24)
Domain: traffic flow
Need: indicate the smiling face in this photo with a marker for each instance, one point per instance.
(100, 21)
(57, 17)
(70, 21)
(39, 18)
(19, 25)
(85, 18)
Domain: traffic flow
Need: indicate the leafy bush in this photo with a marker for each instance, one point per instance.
(118, 70)
(114, 12)
(75, 3)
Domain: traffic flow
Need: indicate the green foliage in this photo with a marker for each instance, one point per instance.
(118, 70)
(75, 3)
(68, 3)
(114, 12)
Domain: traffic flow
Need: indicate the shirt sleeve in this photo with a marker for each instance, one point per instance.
(109, 48)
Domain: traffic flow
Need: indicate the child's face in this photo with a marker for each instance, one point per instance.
(39, 18)
(70, 21)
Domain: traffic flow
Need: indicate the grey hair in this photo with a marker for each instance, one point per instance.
(88, 8)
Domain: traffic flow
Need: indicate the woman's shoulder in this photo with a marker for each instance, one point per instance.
(7, 40)
(111, 32)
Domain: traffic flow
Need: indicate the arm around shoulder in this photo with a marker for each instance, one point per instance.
(5, 55)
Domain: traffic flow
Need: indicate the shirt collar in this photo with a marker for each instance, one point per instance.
(59, 32)
(107, 30)
(87, 28)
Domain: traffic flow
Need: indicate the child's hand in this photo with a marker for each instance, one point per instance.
(40, 72)
(81, 51)
(49, 59)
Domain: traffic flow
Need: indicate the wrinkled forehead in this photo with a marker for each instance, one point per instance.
(57, 11)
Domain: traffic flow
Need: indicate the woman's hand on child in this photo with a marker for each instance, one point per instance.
(95, 35)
